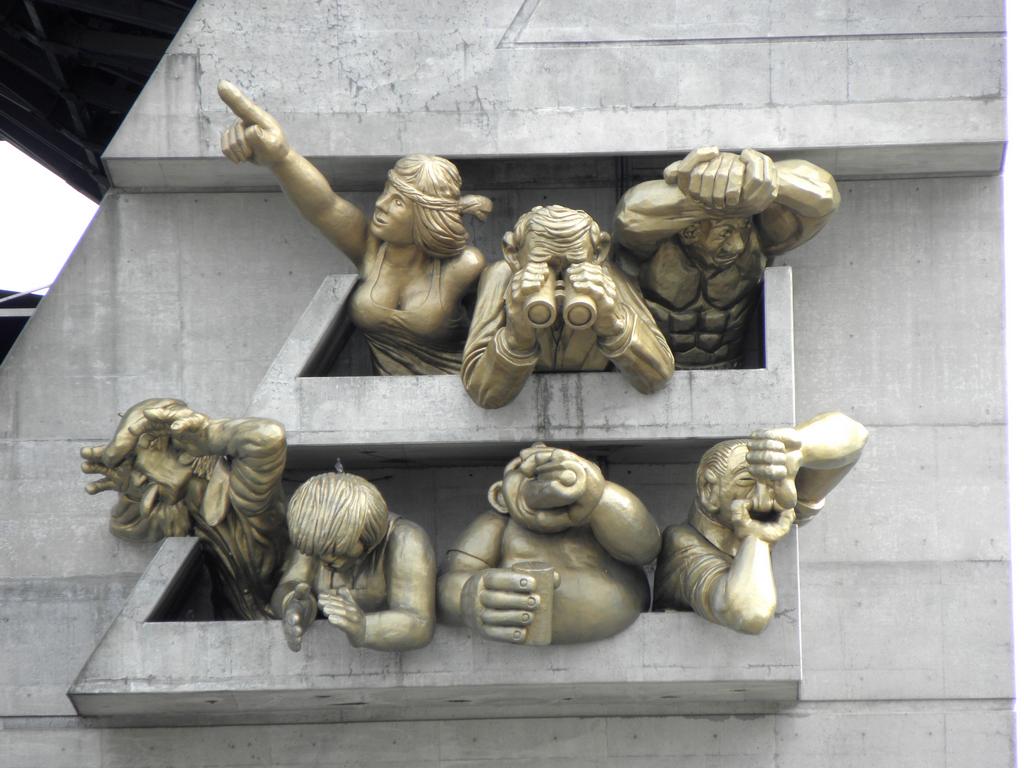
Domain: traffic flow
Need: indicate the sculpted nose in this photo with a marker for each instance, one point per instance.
(735, 243)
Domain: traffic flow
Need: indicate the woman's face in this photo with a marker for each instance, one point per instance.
(392, 218)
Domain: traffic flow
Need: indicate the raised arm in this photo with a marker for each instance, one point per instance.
(831, 444)
(790, 201)
(256, 447)
(562, 485)
(807, 198)
(258, 137)
(624, 527)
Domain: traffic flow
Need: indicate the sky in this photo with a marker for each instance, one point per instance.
(42, 218)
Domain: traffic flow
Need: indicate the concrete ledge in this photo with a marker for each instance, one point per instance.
(366, 173)
(430, 419)
(146, 671)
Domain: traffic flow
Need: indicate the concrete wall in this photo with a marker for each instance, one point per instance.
(898, 321)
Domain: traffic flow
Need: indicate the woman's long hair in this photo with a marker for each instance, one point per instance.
(434, 187)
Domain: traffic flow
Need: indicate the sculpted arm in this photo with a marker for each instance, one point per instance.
(807, 198)
(494, 368)
(257, 450)
(477, 549)
(743, 597)
(408, 622)
(819, 453)
(790, 201)
(735, 591)
(624, 527)
(298, 569)
(257, 136)
(831, 444)
(639, 350)
(563, 484)
(650, 213)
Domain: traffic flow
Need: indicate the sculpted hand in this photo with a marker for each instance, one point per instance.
(343, 612)
(256, 135)
(298, 614)
(595, 282)
(738, 185)
(128, 432)
(743, 525)
(499, 603)
(527, 283)
(760, 181)
(560, 479)
(774, 457)
(189, 430)
(116, 478)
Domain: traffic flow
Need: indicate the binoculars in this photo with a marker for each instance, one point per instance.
(578, 311)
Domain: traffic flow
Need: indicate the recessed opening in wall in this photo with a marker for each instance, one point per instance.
(343, 350)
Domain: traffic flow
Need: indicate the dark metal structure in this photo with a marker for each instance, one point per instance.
(69, 72)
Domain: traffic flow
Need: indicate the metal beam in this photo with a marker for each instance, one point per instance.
(148, 15)
(27, 128)
(27, 58)
(146, 47)
(112, 98)
(79, 117)
(43, 102)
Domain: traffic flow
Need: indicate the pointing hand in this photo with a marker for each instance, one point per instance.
(256, 135)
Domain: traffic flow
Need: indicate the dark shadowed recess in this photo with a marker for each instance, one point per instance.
(69, 72)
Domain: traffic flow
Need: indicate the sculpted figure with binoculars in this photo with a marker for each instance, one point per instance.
(555, 303)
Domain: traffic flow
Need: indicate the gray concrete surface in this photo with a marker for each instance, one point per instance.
(897, 321)
(367, 419)
(378, 79)
(242, 671)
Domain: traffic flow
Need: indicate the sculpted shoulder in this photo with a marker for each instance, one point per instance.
(465, 270)
(677, 538)
(406, 533)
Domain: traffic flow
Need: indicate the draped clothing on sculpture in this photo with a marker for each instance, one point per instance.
(423, 340)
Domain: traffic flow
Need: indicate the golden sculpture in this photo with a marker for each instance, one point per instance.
(413, 254)
(749, 494)
(559, 560)
(556, 304)
(699, 241)
(177, 472)
(371, 573)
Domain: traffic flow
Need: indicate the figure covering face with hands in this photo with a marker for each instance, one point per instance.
(699, 241)
(413, 253)
(371, 573)
(556, 304)
(559, 560)
(177, 472)
(749, 494)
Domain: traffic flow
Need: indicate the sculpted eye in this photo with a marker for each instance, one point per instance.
(399, 202)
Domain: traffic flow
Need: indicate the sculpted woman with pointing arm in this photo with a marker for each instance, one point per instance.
(412, 254)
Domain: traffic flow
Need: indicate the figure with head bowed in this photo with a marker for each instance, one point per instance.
(369, 572)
